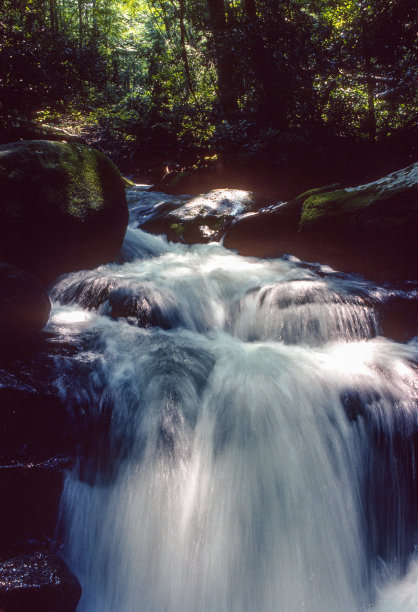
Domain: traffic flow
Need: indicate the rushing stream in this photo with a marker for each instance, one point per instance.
(247, 436)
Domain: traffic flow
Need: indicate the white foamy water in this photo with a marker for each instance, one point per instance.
(246, 436)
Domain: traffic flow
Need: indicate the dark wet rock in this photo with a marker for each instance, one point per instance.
(30, 494)
(204, 218)
(34, 426)
(356, 404)
(140, 303)
(38, 445)
(271, 231)
(398, 315)
(24, 304)
(38, 582)
(62, 207)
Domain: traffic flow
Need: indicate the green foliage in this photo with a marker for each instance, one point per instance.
(156, 78)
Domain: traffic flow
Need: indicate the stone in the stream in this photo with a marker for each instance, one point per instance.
(203, 218)
(24, 304)
(37, 445)
(29, 502)
(371, 228)
(270, 231)
(34, 425)
(62, 207)
(398, 314)
(38, 582)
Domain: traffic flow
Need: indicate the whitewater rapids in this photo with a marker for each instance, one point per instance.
(246, 436)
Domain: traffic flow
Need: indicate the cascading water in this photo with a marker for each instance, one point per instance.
(246, 437)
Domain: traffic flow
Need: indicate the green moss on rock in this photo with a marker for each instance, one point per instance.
(376, 199)
(372, 228)
(62, 206)
(127, 182)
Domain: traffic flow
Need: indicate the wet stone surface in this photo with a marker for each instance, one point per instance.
(38, 582)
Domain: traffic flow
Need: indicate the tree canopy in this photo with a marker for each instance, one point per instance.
(202, 75)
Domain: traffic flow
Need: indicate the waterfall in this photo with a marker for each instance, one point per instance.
(246, 436)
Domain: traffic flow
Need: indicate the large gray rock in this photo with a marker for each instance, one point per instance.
(62, 207)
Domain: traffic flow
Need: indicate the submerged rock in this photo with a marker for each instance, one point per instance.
(204, 218)
(371, 228)
(62, 207)
(24, 304)
(38, 582)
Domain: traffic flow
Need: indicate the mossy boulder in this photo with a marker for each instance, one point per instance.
(62, 207)
(372, 227)
(203, 218)
(271, 231)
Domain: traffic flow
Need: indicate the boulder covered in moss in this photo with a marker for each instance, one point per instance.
(203, 218)
(271, 231)
(371, 229)
(62, 207)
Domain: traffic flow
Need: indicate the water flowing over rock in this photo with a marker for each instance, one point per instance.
(62, 207)
(203, 218)
(246, 434)
(370, 228)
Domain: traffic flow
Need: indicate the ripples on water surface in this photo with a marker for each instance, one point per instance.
(247, 436)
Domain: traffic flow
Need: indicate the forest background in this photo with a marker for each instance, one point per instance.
(324, 89)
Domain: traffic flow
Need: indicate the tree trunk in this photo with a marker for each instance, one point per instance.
(53, 15)
(183, 48)
(94, 28)
(80, 23)
(371, 115)
(250, 9)
(272, 84)
(227, 80)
